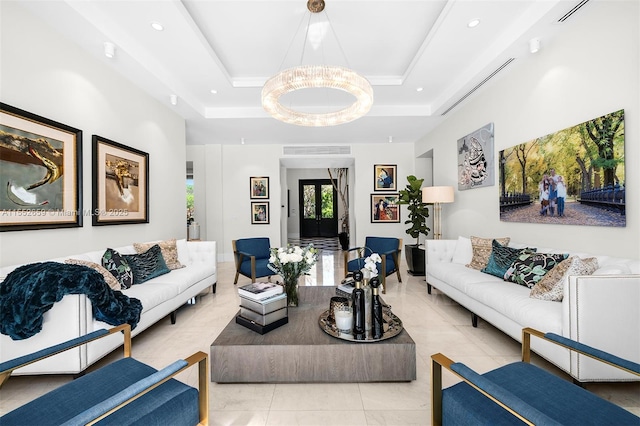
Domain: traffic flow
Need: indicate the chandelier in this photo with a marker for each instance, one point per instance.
(317, 76)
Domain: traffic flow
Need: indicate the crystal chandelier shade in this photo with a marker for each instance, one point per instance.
(317, 76)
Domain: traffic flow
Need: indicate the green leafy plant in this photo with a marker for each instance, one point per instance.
(418, 211)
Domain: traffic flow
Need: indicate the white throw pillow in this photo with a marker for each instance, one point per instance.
(617, 269)
(463, 252)
(183, 252)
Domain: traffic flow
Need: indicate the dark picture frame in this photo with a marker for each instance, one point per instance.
(259, 187)
(120, 183)
(385, 177)
(41, 172)
(385, 208)
(259, 212)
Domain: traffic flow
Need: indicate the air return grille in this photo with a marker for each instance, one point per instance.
(572, 11)
(317, 150)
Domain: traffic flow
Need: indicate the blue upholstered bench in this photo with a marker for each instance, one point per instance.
(121, 393)
(521, 393)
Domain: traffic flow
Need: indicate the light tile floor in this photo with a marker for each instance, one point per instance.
(436, 323)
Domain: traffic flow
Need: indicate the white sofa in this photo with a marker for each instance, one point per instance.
(601, 310)
(72, 316)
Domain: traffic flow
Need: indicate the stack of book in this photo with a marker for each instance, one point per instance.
(263, 307)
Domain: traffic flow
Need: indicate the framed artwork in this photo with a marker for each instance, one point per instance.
(259, 212)
(575, 176)
(41, 172)
(259, 187)
(385, 208)
(384, 177)
(476, 166)
(120, 184)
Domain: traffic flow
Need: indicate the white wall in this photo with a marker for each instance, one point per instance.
(588, 70)
(227, 169)
(366, 156)
(43, 73)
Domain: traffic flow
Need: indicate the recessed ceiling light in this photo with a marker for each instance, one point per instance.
(157, 26)
(419, 89)
(214, 91)
(473, 23)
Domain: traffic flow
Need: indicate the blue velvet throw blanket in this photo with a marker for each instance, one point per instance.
(31, 290)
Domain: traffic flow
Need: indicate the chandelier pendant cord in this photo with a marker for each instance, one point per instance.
(316, 76)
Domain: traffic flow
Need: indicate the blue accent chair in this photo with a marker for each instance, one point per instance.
(389, 250)
(252, 257)
(125, 392)
(521, 393)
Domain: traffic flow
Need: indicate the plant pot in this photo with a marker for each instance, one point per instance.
(415, 257)
(343, 237)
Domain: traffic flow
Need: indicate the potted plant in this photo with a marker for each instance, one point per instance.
(418, 214)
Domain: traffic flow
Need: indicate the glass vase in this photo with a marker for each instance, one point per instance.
(291, 288)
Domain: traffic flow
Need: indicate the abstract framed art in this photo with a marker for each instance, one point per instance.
(475, 159)
(259, 187)
(40, 172)
(384, 177)
(259, 212)
(385, 208)
(120, 184)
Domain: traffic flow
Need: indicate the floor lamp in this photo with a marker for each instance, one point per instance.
(437, 195)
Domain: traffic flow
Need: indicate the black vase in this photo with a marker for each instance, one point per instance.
(343, 237)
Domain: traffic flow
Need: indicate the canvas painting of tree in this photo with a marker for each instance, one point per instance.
(575, 176)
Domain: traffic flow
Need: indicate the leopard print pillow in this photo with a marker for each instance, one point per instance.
(482, 250)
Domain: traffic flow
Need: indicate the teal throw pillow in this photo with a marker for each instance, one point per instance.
(147, 265)
(502, 257)
(118, 266)
(529, 268)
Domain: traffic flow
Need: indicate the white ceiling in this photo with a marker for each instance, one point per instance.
(234, 46)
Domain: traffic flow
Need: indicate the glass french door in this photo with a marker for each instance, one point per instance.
(319, 208)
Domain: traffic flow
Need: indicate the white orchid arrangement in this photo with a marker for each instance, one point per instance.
(292, 261)
(370, 263)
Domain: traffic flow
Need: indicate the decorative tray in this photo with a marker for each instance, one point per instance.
(392, 327)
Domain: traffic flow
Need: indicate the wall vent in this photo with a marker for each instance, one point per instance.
(572, 11)
(317, 150)
(466, 95)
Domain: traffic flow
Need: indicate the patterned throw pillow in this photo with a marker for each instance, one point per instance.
(551, 286)
(169, 252)
(482, 250)
(529, 268)
(108, 278)
(118, 266)
(502, 257)
(147, 265)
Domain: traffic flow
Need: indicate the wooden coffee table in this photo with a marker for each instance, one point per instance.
(300, 352)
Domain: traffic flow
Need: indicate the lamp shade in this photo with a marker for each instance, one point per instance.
(437, 194)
